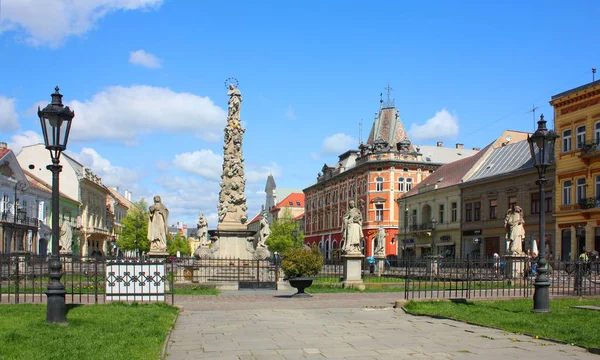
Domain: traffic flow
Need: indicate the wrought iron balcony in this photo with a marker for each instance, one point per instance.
(421, 227)
(589, 203)
(590, 150)
(9, 217)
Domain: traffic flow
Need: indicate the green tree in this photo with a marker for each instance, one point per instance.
(178, 243)
(134, 231)
(282, 233)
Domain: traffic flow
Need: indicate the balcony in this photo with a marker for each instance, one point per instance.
(8, 217)
(589, 203)
(590, 150)
(427, 226)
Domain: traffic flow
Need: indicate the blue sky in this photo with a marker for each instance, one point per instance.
(146, 79)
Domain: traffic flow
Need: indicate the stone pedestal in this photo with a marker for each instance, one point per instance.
(379, 264)
(66, 259)
(514, 265)
(158, 255)
(353, 271)
(433, 265)
(232, 244)
(22, 258)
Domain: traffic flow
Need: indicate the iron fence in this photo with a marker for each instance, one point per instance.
(24, 279)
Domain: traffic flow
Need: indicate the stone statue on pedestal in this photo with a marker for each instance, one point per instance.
(515, 230)
(66, 237)
(264, 232)
(202, 226)
(381, 235)
(352, 231)
(157, 226)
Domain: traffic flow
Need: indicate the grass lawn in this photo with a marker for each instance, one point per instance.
(111, 331)
(574, 326)
(195, 290)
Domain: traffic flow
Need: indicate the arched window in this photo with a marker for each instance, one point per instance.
(409, 184)
(401, 184)
(379, 184)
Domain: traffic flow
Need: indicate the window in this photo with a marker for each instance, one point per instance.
(580, 136)
(597, 186)
(512, 202)
(405, 169)
(469, 212)
(326, 201)
(581, 189)
(566, 193)
(408, 184)
(298, 203)
(566, 141)
(454, 211)
(548, 201)
(597, 133)
(441, 213)
(493, 209)
(378, 212)
(477, 213)
(4, 204)
(535, 203)
(379, 184)
(414, 217)
(401, 184)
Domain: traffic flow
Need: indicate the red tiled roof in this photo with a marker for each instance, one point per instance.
(296, 199)
(255, 219)
(4, 152)
(299, 217)
(449, 174)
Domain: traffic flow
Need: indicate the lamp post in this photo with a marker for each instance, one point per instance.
(56, 120)
(433, 222)
(541, 146)
(405, 229)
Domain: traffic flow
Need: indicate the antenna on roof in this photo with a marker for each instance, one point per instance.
(533, 109)
(593, 74)
(360, 132)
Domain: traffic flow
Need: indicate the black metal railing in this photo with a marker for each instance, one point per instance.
(421, 227)
(9, 217)
(24, 279)
(590, 148)
(589, 203)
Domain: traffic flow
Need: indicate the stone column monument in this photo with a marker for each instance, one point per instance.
(233, 240)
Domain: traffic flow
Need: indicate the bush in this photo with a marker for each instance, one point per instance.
(300, 262)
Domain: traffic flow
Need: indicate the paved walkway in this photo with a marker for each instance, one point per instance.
(271, 325)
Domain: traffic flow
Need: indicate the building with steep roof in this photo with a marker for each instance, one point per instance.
(504, 178)
(22, 207)
(374, 176)
(577, 152)
(77, 182)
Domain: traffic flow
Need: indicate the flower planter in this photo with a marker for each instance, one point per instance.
(301, 283)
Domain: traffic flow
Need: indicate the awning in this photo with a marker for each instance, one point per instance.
(445, 244)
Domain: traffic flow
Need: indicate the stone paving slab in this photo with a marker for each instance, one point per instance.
(587, 307)
(357, 332)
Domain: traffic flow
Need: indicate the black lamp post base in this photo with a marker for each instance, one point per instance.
(541, 298)
(56, 309)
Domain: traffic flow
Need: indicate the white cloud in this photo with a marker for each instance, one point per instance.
(111, 175)
(145, 59)
(442, 126)
(204, 163)
(336, 144)
(259, 174)
(290, 114)
(123, 113)
(9, 120)
(18, 141)
(50, 22)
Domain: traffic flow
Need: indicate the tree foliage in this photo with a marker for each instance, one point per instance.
(282, 231)
(134, 231)
(178, 243)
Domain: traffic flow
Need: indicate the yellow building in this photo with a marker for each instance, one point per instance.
(577, 210)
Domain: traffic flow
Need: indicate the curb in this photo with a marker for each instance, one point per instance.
(163, 353)
(591, 350)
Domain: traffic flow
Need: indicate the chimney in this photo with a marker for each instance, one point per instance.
(476, 149)
(3, 145)
(460, 146)
(440, 144)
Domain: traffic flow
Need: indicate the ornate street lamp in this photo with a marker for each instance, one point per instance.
(56, 123)
(433, 222)
(541, 146)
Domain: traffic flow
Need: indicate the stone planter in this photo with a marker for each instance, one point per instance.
(301, 283)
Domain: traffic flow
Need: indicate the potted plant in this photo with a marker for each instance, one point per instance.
(301, 266)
